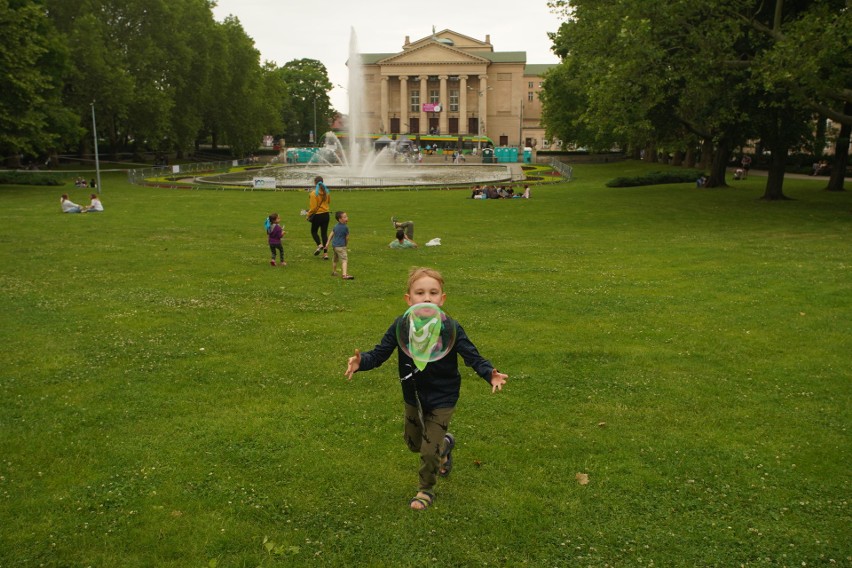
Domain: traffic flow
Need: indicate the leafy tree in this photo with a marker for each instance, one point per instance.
(250, 109)
(308, 85)
(809, 61)
(189, 68)
(32, 63)
(705, 65)
(119, 50)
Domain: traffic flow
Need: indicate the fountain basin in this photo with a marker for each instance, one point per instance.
(402, 175)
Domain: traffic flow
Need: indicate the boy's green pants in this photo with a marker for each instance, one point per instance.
(424, 433)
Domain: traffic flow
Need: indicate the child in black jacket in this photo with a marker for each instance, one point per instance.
(430, 394)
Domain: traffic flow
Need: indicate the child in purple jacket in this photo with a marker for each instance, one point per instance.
(274, 233)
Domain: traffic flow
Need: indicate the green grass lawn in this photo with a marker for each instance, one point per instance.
(169, 399)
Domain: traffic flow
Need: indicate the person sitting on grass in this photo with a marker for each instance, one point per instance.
(69, 206)
(95, 205)
(402, 241)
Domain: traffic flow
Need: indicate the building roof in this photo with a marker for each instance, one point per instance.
(494, 57)
(373, 58)
(468, 45)
(538, 69)
(506, 56)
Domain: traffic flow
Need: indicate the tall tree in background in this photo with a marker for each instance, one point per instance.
(705, 64)
(162, 73)
(809, 61)
(191, 78)
(33, 61)
(247, 99)
(309, 109)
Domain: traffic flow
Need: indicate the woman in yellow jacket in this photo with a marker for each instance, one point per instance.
(318, 214)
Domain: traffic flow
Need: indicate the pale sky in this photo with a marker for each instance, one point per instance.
(284, 30)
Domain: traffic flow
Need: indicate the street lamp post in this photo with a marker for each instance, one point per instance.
(97, 160)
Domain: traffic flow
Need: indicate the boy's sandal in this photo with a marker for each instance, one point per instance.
(349, 277)
(447, 466)
(424, 498)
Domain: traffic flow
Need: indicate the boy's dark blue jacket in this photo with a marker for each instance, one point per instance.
(438, 385)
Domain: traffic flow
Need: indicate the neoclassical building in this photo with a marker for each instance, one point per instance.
(449, 83)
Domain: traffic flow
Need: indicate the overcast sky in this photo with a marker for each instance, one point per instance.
(284, 30)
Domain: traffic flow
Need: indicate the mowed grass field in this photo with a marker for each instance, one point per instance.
(169, 399)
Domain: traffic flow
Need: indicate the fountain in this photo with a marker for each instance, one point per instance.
(354, 166)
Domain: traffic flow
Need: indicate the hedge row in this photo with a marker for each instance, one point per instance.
(656, 178)
(30, 178)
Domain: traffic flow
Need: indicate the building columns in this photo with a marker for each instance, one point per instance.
(443, 116)
(383, 109)
(483, 104)
(465, 112)
(463, 122)
(404, 128)
(424, 117)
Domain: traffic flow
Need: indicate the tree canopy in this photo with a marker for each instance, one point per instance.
(720, 73)
(163, 75)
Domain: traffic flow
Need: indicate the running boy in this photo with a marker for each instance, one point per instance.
(430, 395)
(339, 242)
(275, 232)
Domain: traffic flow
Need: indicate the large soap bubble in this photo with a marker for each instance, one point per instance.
(425, 333)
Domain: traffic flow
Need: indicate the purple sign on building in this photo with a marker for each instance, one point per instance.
(431, 107)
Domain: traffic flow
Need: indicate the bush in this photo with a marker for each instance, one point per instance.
(656, 178)
(30, 178)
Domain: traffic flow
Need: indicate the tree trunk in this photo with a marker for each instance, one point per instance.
(13, 162)
(635, 152)
(775, 179)
(841, 155)
(113, 139)
(719, 165)
(689, 161)
(819, 139)
(651, 153)
(678, 158)
(706, 154)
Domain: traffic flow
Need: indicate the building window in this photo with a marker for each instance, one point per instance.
(435, 96)
(415, 101)
(454, 100)
(530, 84)
(530, 96)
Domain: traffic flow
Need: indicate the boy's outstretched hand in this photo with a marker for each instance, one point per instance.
(497, 381)
(353, 365)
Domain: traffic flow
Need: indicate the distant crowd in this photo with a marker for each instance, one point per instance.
(502, 192)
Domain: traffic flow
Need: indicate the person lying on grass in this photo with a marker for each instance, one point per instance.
(430, 391)
(402, 241)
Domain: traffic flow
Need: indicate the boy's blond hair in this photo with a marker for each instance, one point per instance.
(419, 272)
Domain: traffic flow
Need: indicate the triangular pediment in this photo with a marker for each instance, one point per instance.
(432, 52)
(453, 39)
